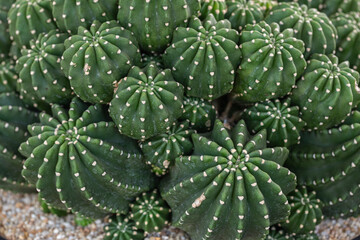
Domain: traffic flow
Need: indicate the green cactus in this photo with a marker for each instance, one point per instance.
(70, 14)
(318, 4)
(121, 228)
(8, 77)
(28, 18)
(40, 77)
(281, 121)
(327, 92)
(78, 161)
(243, 12)
(5, 42)
(272, 61)
(82, 221)
(147, 102)
(310, 25)
(154, 58)
(232, 187)
(217, 8)
(161, 151)
(204, 56)
(345, 6)
(278, 234)
(153, 22)
(266, 5)
(95, 59)
(150, 212)
(48, 209)
(14, 118)
(348, 28)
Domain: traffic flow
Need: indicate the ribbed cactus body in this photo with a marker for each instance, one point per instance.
(204, 56)
(345, 6)
(70, 14)
(40, 76)
(8, 77)
(281, 121)
(327, 92)
(147, 102)
(232, 187)
(5, 42)
(217, 8)
(48, 209)
(318, 4)
(78, 161)
(96, 59)
(122, 228)
(29, 18)
(309, 25)
(153, 22)
(278, 234)
(271, 62)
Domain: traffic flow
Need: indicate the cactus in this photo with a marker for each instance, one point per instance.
(78, 161)
(345, 6)
(204, 56)
(154, 58)
(48, 209)
(348, 28)
(242, 12)
(150, 212)
(327, 92)
(217, 8)
(266, 5)
(82, 221)
(310, 25)
(232, 187)
(95, 59)
(40, 77)
(278, 234)
(28, 18)
(8, 77)
(70, 14)
(5, 42)
(272, 61)
(147, 102)
(14, 118)
(318, 4)
(281, 121)
(160, 151)
(121, 228)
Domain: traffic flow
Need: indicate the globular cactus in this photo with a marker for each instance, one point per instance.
(327, 92)
(217, 8)
(161, 151)
(200, 113)
(153, 22)
(154, 58)
(78, 161)
(28, 18)
(147, 102)
(95, 59)
(232, 187)
(14, 118)
(243, 12)
(318, 4)
(5, 42)
(278, 234)
(345, 6)
(279, 118)
(70, 14)
(348, 28)
(271, 62)
(150, 212)
(309, 25)
(40, 77)
(266, 5)
(121, 227)
(204, 56)
(8, 77)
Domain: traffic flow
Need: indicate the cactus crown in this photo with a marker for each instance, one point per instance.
(121, 227)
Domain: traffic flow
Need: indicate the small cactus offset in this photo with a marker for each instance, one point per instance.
(82, 221)
(150, 212)
(281, 121)
(160, 151)
(217, 8)
(122, 228)
(232, 187)
(327, 92)
(95, 59)
(271, 62)
(276, 233)
(78, 161)
(204, 56)
(147, 102)
(153, 22)
(8, 77)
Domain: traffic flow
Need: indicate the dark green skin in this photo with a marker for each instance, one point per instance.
(122, 228)
(333, 6)
(83, 221)
(5, 42)
(8, 77)
(318, 4)
(48, 209)
(217, 8)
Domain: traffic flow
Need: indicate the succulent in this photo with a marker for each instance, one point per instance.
(40, 77)
(70, 14)
(147, 102)
(271, 62)
(204, 56)
(121, 228)
(217, 8)
(153, 22)
(28, 18)
(266, 5)
(95, 59)
(154, 58)
(82, 221)
(161, 151)
(78, 161)
(309, 25)
(199, 113)
(278, 234)
(5, 42)
(8, 77)
(318, 4)
(327, 92)
(14, 118)
(348, 28)
(232, 187)
(48, 209)
(243, 12)
(345, 6)
(150, 212)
